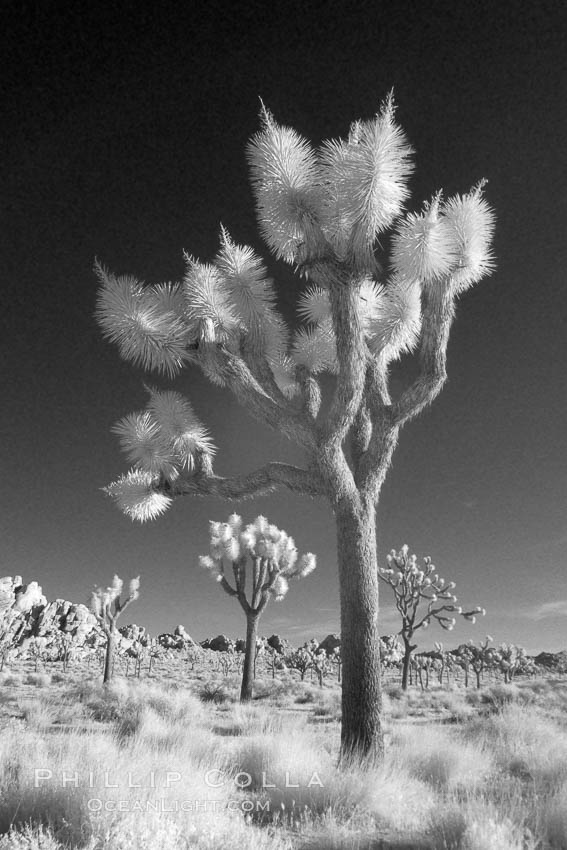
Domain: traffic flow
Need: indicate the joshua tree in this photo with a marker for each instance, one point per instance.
(107, 607)
(322, 211)
(300, 659)
(513, 661)
(481, 658)
(412, 587)
(274, 561)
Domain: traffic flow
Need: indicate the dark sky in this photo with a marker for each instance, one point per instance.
(123, 139)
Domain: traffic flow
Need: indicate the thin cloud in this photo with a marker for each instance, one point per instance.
(548, 609)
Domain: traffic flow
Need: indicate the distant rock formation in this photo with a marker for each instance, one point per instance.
(182, 633)
(329, 644)
(178, 640)
(26, 613)
(556, 662)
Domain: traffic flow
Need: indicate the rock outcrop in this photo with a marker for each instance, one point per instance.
(220, 643)
(330, 643)
(556, 662)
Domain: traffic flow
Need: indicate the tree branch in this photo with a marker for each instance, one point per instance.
(226, 587)
(250, 393)
(260, 482)
(310, 392)
(374, 462)
(438, 312)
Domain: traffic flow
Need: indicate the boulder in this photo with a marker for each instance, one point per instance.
(179, 631)
(220, 643)
(169, 641)
(29, 596)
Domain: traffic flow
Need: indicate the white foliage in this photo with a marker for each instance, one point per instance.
(235, 522)
(134, 588)
(366, 177)
(396, 322)
(314, 306)
(248, 539)
(250, 290)
(232, 549)
(315, 348)
(261, 524)
(208, 298)
(179, 426)
(280, 588)
(307, 563)
(472, 221)
(283, 371)
(276, 336)
(165, 437)
(134, 318)
(144, 445)
(424, 246)
(135, 496)
(167, 298)
(285, 180)
(207, 562)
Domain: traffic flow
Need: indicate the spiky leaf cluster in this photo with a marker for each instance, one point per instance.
(413, 586)
(161, 441)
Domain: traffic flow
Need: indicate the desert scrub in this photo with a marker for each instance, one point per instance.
(328, 704)
(526, 744)
(40, 680)
(216, 693)
(440, 757)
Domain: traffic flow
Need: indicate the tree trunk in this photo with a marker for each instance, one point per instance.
(248, 669)
(361, 733)
(406, 664)
(109, 657)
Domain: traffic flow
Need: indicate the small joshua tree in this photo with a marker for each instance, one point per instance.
(107, 607)
(512, 661)
(301, 660)
(274, 561)
(413, 586)
(481, 658)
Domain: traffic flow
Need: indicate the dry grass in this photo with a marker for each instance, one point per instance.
(496, 779)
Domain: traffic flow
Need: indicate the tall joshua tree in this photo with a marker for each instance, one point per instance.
(322, 211)
(274, 561)
(414, 587)
(107, 606)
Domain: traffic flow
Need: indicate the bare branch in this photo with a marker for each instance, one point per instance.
(375, 461)
(260, 482)
(226, 586)
(310, 392)
(438, 313)
(250, 393)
